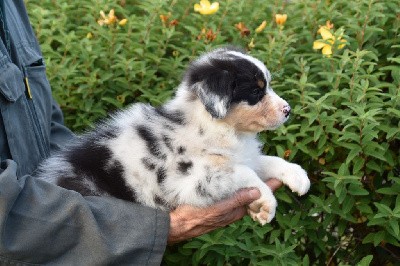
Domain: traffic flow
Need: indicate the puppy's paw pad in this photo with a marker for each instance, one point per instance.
(262, 210)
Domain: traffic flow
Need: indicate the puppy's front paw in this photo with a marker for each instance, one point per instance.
(296, 179)
(262, 210)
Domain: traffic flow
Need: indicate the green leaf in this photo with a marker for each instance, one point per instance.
(284, 197)
(364, 208)
(358, 164)
(382, 208)
(365, 261)
(287, 234)
(394, 225)
(396, 209)
(306, 261)
(317, 133)
(378, 237)
(353, 153)
(357, 190)
(348, 204)
(389, 190)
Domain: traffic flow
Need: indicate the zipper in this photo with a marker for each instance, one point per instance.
(28, 88)
(43, 148)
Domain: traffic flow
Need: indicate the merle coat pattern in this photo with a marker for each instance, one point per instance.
(198, 148)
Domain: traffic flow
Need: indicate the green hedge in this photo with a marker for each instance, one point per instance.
(345, 127)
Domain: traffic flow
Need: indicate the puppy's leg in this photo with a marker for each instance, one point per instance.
(263, 209)
(292, 175)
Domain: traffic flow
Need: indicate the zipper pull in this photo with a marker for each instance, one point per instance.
(28, 88)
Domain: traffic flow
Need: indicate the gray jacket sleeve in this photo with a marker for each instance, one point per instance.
(45, 224)
(41, 223)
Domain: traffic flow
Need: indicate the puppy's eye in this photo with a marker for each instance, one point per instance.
(255, 91)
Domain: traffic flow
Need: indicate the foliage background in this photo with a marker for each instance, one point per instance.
(345, 127)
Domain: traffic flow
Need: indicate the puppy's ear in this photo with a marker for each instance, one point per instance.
(213, 85)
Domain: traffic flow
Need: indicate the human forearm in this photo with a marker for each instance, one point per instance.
(42, 223)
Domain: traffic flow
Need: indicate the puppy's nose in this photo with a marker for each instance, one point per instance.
(286, 110)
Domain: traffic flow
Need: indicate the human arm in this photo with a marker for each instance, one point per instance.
(188, 222)
(42, 223)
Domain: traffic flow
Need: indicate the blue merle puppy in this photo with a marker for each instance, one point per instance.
(198, 148)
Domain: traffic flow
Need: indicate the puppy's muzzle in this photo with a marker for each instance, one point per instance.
(286, 110)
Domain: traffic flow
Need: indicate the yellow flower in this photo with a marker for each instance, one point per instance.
(329, 41)
(280, 19)
(251, 44)
(206, 8)
(325, 33)
(107, 20)
(89, 35)
(123, 22)
(342, 44)
(261, 27)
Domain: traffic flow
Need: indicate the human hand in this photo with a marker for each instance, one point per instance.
(188, 221)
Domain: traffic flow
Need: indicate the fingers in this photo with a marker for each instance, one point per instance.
(241, 198)
(274, 184)
(246, 196)
(188, 221)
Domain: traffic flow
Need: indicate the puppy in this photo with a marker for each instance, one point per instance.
(198, 148)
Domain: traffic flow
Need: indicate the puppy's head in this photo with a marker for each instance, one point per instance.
(235, 88)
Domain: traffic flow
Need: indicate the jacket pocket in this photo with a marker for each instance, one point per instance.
(11, 81)
(25, 134)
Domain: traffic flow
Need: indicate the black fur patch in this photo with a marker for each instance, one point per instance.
(184, 167)
(148, 163)
(168, 142)
(181, 150)
(152, 142)
(202, 191)
(73, 183)
(95, 160)
(248, 81)
(106, 132)
(175, 117)
(161, 174)
(201, 131)
(159, 201)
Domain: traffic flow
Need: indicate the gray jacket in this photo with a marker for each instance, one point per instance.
(41, 223)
